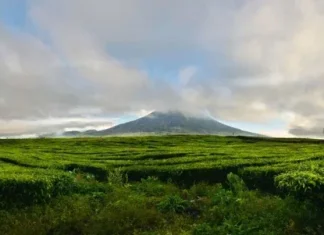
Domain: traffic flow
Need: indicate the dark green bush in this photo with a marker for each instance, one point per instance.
(304, 185)
(300, 182)
(117, 177)
(174, 204)
(28, 188)
(203, 229)
(235, 183)
(151, 186)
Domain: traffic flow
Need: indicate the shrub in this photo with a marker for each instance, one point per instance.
(117, 177)
(199, 190)
(224, 197)
(235, 183)
(174, 204)
(302, 184)
(27, 188)
(85, 187)
(299, 182)
(151, 186)
(203, 229)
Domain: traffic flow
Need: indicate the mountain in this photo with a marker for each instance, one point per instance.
(172, 122)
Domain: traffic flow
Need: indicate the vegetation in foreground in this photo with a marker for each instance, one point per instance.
(161, 185)
(154, 207)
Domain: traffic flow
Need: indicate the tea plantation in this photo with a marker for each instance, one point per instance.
(162, 185)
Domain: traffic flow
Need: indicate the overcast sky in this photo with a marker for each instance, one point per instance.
(255, 64)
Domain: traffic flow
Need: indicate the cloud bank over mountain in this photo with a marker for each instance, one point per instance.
(241, 60)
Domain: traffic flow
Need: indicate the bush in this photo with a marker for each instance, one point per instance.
(174, 204)
(91, 187)
(302, 184)
(151, 186)
(203, 229)
(235, 183)
(199, 190)
(117, 177)
(29, 188)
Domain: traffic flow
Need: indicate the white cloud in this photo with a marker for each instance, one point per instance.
(277, 133)
(186, 74)
(265, 57)
(49, 125)
(276, 48)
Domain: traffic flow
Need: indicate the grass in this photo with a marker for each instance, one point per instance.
(161, 185)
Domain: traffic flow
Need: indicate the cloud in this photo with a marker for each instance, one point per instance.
(309, 132)
(186, 74)
(259, 60)
(51, 125)
(276, 48)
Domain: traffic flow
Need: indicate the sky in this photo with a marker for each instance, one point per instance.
(80, 64)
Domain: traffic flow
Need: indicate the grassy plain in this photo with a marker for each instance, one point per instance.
(162, 185)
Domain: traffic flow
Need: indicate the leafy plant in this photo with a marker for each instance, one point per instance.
(303, 185)
(173, 203)
(117, 177)
(235, 183)
(203, 229)
(31, 187)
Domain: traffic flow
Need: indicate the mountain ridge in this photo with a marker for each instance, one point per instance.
(171, 122)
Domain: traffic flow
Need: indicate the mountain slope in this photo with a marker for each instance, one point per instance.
(171, 123)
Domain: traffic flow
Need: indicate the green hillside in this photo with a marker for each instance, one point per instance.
(185, 184)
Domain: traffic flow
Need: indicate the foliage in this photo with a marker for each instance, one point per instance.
(306, 185)
(173, 203)
(125, 210)
(300, 182)
(152, 186)
(235, 183)
(117, 177)
(32, 187)
(203, 229)
(161, 185)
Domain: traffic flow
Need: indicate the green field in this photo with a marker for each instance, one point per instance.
(162, 185)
